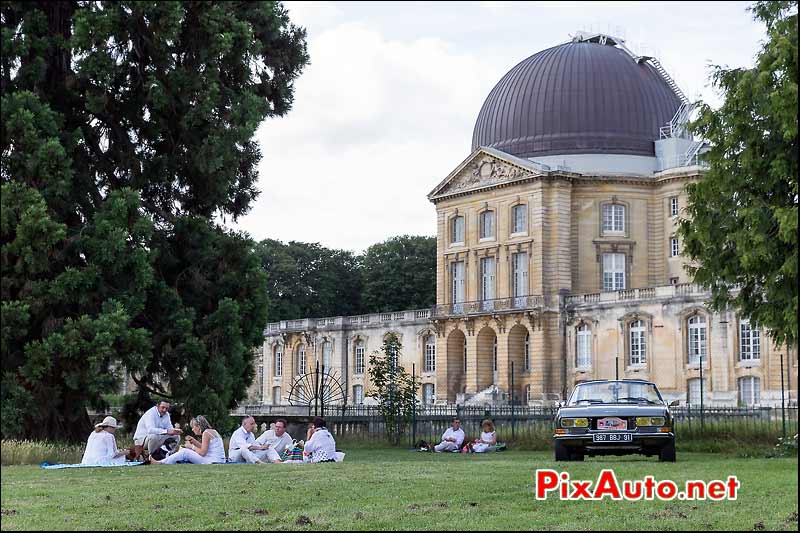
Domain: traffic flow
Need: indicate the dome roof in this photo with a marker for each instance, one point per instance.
(576, 98)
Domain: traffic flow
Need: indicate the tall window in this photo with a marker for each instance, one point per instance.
(392, 354)
(278, 366)
(749, 342)
(674, 249)
(697, 339)
(693, 391)
(583, 352)
(327, 349)
(487, 281)
(457, 272)
(519, 215)
(360, 357)
(613, 218)
(613, 272)
(673, 206)
(427, 393)
(465, 356)
(276, 395)
(358, 394)
(487, 224)
(301, 359)
(457, 230)
(261, 383)
(638, 343)
(749, 390)
(519, 274)
(527, 394)
(527, 352)
(430, 353)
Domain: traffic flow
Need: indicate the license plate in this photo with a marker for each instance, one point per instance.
(612, 437)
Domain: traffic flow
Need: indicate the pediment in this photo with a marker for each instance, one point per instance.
(485, 167)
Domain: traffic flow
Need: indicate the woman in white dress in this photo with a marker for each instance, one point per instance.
(101, 448)
(320, 446)
(487, 440)
(210, 449)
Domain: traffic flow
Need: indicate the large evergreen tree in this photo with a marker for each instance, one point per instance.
(127, 130)
(742, 224)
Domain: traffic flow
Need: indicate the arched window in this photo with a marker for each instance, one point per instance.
(749, 390)
(301, 359)
(360, 349)
(260, 383)
(427, 393)
(749, 342)
(465, 356)
(494, 354)
(519, 218)
(638, 343)
(583, 347)
(457, 230)
(278, 361)
(327, 349)
(487, 224)
(276, 395)
(698, 333)
(527, 352)
(613, 218)
(430, 353)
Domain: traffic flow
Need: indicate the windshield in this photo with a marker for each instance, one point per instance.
(615, 392)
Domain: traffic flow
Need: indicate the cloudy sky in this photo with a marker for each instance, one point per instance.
(386, 107)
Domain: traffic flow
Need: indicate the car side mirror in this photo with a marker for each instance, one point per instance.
(674, 403)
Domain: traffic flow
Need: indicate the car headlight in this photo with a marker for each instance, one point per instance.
(574, 422)
(650, 421)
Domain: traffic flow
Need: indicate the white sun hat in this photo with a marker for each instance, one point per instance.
(108, 421)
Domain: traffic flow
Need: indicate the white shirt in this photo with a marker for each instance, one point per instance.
(487, 437)
(152, 423)
(321, 441)
(241, 439)
(100, 448)
(457, 435)
(278, 444)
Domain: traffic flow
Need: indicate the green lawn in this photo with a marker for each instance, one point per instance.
(390, 489)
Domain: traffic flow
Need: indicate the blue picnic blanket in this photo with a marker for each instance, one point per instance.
(50, 466)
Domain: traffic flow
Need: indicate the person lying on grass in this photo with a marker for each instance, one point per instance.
(208, 451)
(101, 447)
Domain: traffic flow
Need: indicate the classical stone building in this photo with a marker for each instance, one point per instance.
(557, 255)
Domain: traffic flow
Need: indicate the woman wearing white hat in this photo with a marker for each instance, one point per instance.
(101, 448)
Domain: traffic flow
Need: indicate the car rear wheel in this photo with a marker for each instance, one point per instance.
(667, 453)
(562, 452)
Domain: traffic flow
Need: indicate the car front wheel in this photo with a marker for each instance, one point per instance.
(562, 452)
(667, 453)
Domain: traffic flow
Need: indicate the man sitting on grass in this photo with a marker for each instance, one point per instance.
(277, 439)
(155, 432)
(452, 438)
(243, 447)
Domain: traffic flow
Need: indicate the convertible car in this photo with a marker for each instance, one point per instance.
(614, 417)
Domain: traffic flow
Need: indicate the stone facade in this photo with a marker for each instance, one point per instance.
(517, 287)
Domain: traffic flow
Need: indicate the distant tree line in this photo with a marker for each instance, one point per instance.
(309, 280)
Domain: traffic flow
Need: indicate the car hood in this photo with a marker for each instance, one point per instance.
(612, 410)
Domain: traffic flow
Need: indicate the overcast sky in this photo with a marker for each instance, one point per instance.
(386, 107)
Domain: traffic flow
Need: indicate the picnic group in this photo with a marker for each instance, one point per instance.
(156, 441)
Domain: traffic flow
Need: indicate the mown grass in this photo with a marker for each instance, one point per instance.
(390, 489)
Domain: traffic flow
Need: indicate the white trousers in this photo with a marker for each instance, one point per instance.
(481, 447)
(243, 455)
(185, 454)
(446, 446)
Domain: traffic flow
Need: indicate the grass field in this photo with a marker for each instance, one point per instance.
(390, 489)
